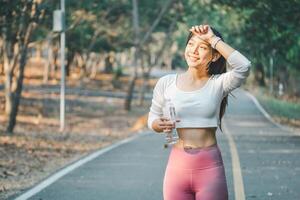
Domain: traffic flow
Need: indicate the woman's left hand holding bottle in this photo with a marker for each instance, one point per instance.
(164, 124)
(168, 125)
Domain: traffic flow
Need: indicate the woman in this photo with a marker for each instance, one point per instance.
(195, 168)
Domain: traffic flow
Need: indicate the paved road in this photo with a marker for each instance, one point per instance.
(269, 156)
(268, 159)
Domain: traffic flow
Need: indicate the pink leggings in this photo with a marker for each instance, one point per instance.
(195, 175)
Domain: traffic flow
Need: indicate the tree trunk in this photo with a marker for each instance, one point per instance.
(145, 79)
(10, 59)
(135, 20)
(8, 81)
(82, 65)
(17, 94)
(54, 55)
(70, 58)
(49, 60)
(156, 21)
(146, 73)
(260, 75)
(139, 43)
(1, 57)
(94, 67)
(129, 95)
(108, 64)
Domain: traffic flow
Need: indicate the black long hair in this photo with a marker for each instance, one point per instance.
(217, 67)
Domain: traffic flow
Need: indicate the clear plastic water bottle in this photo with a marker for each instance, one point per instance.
(171, 137)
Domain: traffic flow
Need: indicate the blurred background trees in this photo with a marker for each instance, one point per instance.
(131, 37)
(19, 19)
(270, 35)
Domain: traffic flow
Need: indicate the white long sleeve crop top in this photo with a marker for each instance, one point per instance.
(199, 108)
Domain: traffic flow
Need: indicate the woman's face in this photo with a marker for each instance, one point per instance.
(198, 53)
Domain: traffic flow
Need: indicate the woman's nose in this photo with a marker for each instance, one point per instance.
(194, 49)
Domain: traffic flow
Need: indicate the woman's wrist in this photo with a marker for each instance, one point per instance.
(214, 40)
(211, 39)
(155, 126)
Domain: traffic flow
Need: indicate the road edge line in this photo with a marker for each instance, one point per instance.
(57, 175)
(239, 191)
(266, 114)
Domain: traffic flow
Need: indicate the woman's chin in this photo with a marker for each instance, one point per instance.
(193, 64)
(196, 66)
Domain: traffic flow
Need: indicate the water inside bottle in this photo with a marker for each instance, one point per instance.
(172, 137)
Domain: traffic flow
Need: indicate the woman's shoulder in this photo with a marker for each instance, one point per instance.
(167, 79)
(216, 76)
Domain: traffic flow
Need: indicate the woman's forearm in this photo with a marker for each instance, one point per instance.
(224, 49)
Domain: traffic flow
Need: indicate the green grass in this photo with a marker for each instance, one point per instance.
(280, 108)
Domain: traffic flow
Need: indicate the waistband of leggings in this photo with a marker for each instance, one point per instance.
(202, 158)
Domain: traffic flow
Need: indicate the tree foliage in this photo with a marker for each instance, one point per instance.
(262, 30)
(270, 29)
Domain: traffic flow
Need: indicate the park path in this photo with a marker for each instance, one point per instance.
(261, 162)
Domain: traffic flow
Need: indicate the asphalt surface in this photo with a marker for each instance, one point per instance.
(269, 156)
(269, 159)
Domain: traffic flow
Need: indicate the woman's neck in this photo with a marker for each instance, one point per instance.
(197, 74)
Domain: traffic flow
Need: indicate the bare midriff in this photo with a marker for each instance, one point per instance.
(196, 137)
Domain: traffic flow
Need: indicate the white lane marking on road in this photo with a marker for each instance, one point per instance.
(73, 166)
(239, 191)
(264, 112)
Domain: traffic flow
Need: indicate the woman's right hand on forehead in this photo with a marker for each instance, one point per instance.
(203, 32)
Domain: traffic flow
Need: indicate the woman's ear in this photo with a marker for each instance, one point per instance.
(216, 56)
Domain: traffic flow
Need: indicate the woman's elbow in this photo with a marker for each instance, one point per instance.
(151, 125)
(150, 122)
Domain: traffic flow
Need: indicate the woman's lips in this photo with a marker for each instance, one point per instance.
(194, 58)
